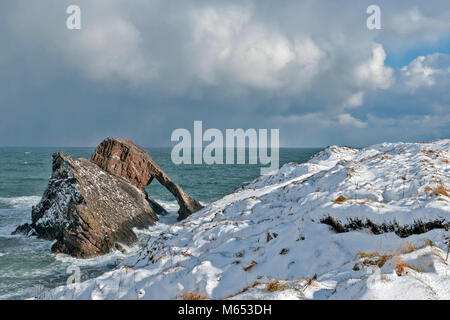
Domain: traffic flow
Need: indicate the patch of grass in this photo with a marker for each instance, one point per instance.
(374, 258)
(336, 225)
(418, 227)
(428, 243)
(340, 199)
(191, 295)
(441, 190)
(309, 281)
(256, 283)
(409, 247)
(401, 266)
(250, 266)
(185, 254)
(275, 286)
(350, 172)
(428, 151)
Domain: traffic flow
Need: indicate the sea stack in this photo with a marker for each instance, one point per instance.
(125, 159)
(88, 211)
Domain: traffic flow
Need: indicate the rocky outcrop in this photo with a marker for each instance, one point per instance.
(87, 210)
(125, 159)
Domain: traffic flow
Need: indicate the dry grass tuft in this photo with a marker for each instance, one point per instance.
(250, 266)
(428, 243)
(275, 286)
(408, 248)
(340, 199)
(374, 258)
(438, 190)
(191, 295)
(441, 190)
(256, 283)
(185, 254)
(401, 266)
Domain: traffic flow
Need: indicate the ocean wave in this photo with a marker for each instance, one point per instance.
(172, 206)
(20, 202)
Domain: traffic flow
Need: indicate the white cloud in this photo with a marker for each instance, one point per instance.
(348, 120)
(424, 70)
(355, 100)
(414, 22)
(373, 73)
(235, 47)
(417, 74)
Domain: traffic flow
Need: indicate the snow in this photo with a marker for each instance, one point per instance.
(270, 231)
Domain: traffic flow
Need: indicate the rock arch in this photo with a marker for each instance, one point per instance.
(124, 158)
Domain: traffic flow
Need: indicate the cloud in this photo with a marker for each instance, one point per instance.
(356, 100)
(373, 73)
(113, 52)
(424, 70)
(238, 49)
(349, 120)
(414, 22)
(310, 68)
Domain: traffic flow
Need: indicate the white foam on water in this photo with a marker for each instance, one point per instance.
(170, 206)
(21, 202)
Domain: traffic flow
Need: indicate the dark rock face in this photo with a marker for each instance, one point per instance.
(125, 159)
(87, 210)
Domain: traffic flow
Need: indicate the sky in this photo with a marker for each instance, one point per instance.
(140, 69)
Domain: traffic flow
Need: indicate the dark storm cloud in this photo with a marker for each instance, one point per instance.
(140, 69)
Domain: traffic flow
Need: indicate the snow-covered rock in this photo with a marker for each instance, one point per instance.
(388, 207)
(88, 211)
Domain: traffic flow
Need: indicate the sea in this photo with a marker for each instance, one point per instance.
(27, 265)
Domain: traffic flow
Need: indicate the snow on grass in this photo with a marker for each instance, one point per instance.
(267, 239)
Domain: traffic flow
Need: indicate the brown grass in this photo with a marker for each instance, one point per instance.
(275, 286)
(250, 266)
(374, 258)
(380, 259)
(401, 266)
(185, 254)
(310, 281)
(428, 243)
(191, 295)
(256, 283)
(350, 172)
(409, 247)
(340, 199)
(438, 190)
(441, 190)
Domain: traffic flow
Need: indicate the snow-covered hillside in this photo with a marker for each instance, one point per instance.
(349, 224)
